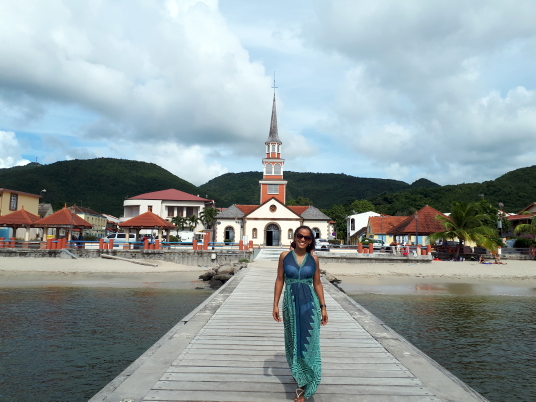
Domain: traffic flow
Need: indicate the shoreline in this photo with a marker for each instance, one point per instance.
(437, 278)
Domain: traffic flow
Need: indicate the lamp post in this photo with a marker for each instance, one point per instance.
(416, 229)
(241, 223)
(499, 218)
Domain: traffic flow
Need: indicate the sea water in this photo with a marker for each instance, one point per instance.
(65, 343)
(488, 341)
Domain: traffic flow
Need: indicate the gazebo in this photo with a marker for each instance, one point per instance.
(19, 219)
(147, 220)
(63, 219)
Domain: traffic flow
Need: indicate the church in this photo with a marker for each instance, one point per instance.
(271, 223)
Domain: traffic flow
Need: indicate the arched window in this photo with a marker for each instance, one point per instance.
(254, 233)
(352, 224)
(268, 168)
(290, 233)
(277, 169)
(229, 234)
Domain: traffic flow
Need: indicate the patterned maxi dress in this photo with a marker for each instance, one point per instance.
(301, 317)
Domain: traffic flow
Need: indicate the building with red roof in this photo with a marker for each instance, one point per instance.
(271, 223)
(166, 204)
(148, 221)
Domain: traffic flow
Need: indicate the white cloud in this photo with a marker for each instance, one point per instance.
(168, 70)
(10, 151)
(421, 92)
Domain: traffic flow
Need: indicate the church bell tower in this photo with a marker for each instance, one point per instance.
(272, 183)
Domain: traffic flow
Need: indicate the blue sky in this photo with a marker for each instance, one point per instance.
(387, 89)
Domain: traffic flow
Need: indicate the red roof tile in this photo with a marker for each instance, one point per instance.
(427, 223)
(247, 209)
(520, 217)
(20, 217)
(169, 195)
(147, 220)
(298, 209)
(383, 224)
(63, 218)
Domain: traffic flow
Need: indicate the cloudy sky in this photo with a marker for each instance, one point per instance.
(439, 89)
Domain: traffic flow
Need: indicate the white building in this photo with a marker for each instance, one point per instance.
(166, 204)
(272, 223)
(357, 223)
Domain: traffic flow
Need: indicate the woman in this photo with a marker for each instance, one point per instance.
(304, 309)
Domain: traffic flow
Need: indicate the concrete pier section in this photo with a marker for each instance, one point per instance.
(230, 349)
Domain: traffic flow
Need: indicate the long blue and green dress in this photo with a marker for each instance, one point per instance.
(301, 317)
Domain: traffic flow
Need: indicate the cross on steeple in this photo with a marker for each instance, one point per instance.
(274, 87)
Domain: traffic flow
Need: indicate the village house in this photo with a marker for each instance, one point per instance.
(166, 204)
(271, 223)
(97, 220)
(13, 201)
(356, 226)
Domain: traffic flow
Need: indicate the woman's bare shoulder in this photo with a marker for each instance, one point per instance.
(284, 254)
(316, 259)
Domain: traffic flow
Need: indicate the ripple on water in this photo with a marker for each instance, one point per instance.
(68, 343)
(487, 341)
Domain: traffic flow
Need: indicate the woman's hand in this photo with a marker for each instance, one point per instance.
(275, 314)
(324, 316)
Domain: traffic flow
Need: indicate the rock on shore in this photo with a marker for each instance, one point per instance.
(220, 274)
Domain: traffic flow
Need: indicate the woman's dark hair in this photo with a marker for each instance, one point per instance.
(312, 245)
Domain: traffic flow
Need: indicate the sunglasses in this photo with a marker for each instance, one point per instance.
(299, 236)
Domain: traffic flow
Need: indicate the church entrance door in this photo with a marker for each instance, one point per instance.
(273, 234)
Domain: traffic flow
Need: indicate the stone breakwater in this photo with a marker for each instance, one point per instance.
(219, 274)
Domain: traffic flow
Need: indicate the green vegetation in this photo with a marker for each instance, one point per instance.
(208, 217)
(243, 260)
(100, 184)
(300, 201)
(466, 222)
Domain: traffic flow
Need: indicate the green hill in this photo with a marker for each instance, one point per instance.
(515, 189)
(101, 184)
(324, 189)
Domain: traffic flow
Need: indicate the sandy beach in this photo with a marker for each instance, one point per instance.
(19, 272)
(95, 272)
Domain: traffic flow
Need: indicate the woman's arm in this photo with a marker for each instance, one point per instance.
(319, 289)
(278, 288)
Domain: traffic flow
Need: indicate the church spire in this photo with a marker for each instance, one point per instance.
(273, 137)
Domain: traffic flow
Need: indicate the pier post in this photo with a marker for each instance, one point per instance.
(111, 244)
(194, 244)
(206, 240)
(360, 248)
(157, 244)
(371, 248)
(241, 245)
(419, 251)
(101, 244)
(12, 245)
(251, 244)
(146, 244)
(1, 242)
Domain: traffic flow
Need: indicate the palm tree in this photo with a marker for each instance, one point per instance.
(529, 228)
(179, 222)
(208, 217)
(465, 223)
(192, 222)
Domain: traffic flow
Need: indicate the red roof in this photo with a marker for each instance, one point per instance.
(169, 195)
(63, 218)
(297, 209)
(426, 221)
(20, 217)
(520, 217)
(385, 223)
(247, 209)
(147, 220)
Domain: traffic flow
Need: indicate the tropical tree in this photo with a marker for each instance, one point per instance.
(179, 222)
(208, 217)
(463, 224)
(527, 228)
(192, 222)
(302, 201)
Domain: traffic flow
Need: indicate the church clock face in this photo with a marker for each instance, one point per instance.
(273, 208)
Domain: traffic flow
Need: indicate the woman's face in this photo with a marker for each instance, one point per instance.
(303, 238)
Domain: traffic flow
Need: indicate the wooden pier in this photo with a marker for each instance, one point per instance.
(230, 349)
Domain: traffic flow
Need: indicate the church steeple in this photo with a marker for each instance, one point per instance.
(272, 184)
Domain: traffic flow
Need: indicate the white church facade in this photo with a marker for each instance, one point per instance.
(271, 223)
